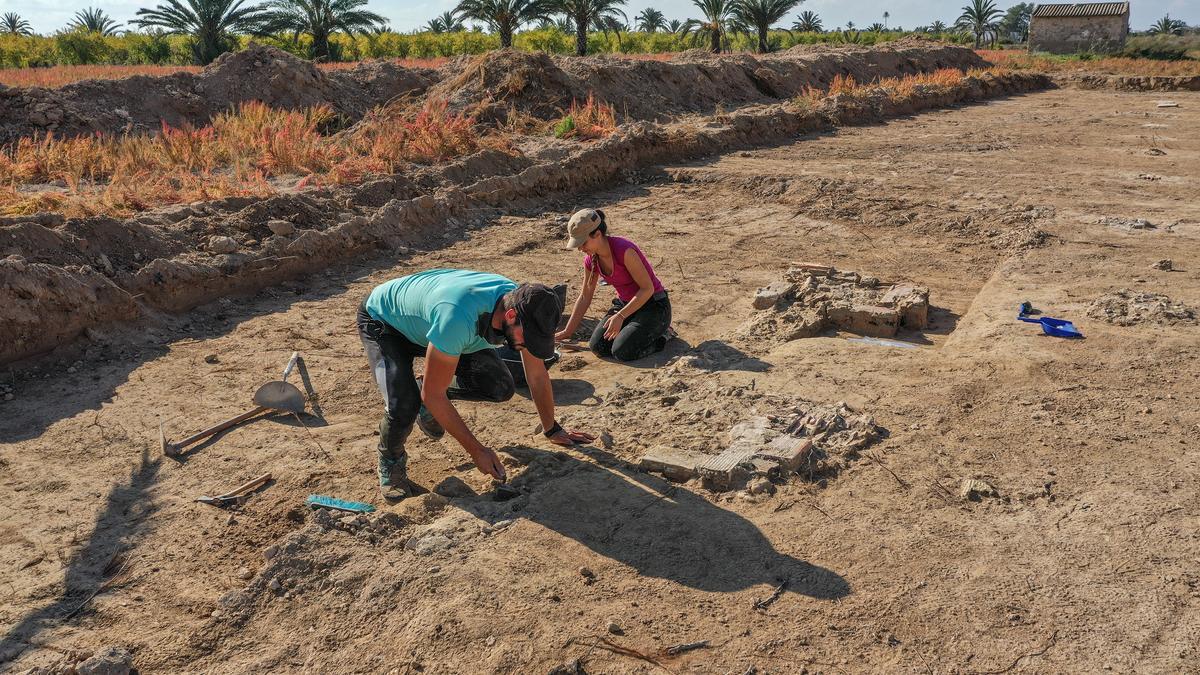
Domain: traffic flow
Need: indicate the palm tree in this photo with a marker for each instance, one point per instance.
(808, 22)
(876, 28)
(211, 23)
(938, 27)
(760, 14)
(674, 25)
(716, 25)
(650, 20)
(445, 22)
(94, 20)
(12, 24)
(1168, 26)
(979, 18)
(586, 14)
(504, 17)
(320, 19)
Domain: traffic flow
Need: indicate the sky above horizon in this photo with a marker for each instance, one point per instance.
(47, 16)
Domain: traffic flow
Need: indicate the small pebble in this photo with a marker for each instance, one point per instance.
(435, 569)
(231, 520)
(270, 552)
(615, 628)
(211, 358)
(586, 573)
(274, 585)
(245, 574)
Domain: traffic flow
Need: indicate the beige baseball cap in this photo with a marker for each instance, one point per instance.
(581, 226)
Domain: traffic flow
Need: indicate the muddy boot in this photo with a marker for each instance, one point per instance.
(393, 460)
(393, 479)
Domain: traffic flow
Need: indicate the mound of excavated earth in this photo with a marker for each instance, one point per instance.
(488, 85)
(693, 82)
(258, 73)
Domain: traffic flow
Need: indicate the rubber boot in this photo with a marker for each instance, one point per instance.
(393, 460)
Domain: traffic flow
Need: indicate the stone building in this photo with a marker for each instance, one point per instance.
(1084, 27)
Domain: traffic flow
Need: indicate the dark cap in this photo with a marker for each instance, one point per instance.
(539, 310)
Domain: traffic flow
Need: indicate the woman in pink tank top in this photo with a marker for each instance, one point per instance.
(639, 322)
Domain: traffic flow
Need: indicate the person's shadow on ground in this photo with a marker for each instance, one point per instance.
(659, 528)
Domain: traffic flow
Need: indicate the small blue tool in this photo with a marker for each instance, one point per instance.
(321, 501)
(1050, 326)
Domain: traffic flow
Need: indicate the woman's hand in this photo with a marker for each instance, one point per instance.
(562, 336)
(612, 326)
(570, 438)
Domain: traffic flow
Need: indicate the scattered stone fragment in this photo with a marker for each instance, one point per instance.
(760, 486)
(771, 294)
(245, 574)
(220, 244)
(586, 573)
(274, 585)
(1128, 223)
(210, 358)
(282, 228)
(1167, 104)
(1127, 307)
(615, 628)
(1166, 265)
(677, 465)
(975, 490)
(231, 520)
(107, 661)
(270, 552)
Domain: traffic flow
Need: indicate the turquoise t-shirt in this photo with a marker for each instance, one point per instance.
(440, 307)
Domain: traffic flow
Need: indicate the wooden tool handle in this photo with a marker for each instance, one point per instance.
(248, 486)
(201, 435)
(290, 365)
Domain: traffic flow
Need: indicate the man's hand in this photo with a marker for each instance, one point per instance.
(562, 336)
(489, 464)
(570, 438)
(612, 326)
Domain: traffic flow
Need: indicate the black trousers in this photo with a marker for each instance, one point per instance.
(480, 376)
(642, 334)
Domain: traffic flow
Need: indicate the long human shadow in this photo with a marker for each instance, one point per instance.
(104, 556)
(661, 529)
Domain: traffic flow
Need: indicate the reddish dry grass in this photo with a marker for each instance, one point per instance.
(593, 119)
(236, 155)
(1019, 60)
(895, 88)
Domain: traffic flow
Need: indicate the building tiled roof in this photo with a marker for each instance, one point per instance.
(1083, 9)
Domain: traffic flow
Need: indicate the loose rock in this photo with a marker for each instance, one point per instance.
(107, 661)
(219, 245)
(282, 228)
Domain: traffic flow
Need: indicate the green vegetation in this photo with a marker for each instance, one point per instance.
(93, 20)
(760, 14)
(163, 48)
(12, 24)
(979, 18)
(319, 19)
(210, 25)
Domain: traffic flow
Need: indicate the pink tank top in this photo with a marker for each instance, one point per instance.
(620, 279)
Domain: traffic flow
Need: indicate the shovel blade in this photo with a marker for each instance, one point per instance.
(279, 395)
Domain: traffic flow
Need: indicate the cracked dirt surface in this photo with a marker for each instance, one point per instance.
(1085, 560)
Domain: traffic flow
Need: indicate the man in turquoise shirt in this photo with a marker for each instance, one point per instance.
(452, 318)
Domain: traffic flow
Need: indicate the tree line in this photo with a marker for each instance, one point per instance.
(212, 27)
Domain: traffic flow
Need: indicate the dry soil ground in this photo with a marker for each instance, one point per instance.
(1086, 560)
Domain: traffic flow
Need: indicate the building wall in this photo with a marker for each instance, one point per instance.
(1071, 34)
